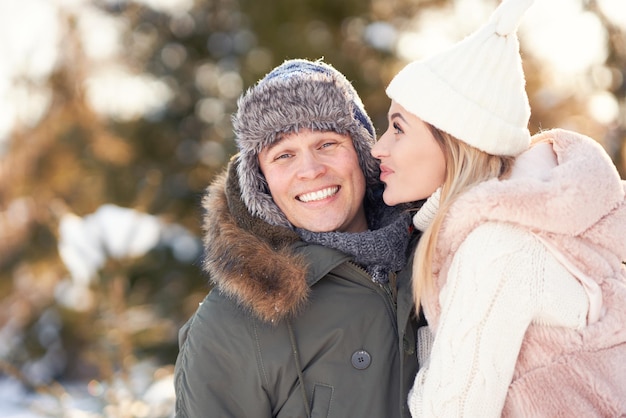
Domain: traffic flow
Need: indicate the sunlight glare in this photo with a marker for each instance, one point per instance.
(116, 92)
(100, 33)
(564, 36)
(615, 11)
(31, 55)
(603, 107)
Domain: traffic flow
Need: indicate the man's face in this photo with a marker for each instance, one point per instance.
(315, 179)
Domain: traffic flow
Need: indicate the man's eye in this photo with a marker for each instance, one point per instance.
(328, 144)
(282, 156)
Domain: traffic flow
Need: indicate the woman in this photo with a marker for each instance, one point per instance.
(519, 269)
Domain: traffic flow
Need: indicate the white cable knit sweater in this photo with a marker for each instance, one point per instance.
(500, 280)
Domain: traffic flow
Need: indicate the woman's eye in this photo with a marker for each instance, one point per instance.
(327, 144)
(397, 128)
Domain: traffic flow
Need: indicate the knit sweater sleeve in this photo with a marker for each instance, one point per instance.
(500, 280)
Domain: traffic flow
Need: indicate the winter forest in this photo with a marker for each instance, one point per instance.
(115, 116)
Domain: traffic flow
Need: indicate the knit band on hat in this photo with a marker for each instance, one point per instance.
(298, 94)
(474, 91)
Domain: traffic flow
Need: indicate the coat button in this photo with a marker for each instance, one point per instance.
(361, 359)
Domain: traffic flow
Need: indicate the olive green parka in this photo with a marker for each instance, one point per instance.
(291, 329)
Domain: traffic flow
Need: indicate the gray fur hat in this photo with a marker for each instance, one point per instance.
(298, 94)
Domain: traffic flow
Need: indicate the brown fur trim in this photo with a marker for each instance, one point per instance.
(248, 259)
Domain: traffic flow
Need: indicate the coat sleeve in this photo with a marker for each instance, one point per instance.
(493, 292)
(216, 371)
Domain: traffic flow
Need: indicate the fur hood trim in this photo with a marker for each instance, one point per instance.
(249, 260)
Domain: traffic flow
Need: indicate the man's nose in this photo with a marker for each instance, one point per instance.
(310, 166)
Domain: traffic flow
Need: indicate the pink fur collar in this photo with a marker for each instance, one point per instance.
(568, 199)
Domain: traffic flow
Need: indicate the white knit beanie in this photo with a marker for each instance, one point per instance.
(474, 91)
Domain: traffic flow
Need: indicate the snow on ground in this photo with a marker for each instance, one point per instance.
(152, 398)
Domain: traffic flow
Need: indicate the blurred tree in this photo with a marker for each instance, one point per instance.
(203, 54)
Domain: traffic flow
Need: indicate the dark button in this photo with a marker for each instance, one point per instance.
(361, 359)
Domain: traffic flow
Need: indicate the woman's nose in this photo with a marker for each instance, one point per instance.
(380, 148)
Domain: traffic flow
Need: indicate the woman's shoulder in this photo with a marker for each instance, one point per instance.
(502, 249)
(498, 238)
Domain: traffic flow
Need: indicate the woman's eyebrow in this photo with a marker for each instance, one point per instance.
(398, 115)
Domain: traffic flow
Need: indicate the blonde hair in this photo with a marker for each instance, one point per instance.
(466, 166)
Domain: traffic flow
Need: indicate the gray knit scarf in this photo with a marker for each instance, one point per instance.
(380, 250)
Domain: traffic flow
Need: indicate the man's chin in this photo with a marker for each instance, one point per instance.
(322, 226)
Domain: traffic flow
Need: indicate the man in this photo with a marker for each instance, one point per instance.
(307, 317)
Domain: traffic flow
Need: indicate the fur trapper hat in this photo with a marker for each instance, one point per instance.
(298, 94)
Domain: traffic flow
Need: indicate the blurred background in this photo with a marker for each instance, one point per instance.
(115, 116)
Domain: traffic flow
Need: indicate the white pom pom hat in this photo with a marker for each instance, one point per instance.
(475, 91)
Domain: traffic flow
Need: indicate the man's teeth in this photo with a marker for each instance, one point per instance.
(319, 195)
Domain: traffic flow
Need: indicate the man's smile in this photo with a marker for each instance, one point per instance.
(318, 195)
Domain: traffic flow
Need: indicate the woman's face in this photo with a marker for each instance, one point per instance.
(412, 163)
